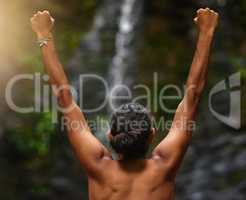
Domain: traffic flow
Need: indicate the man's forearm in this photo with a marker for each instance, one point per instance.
(199, 68)
(52, 64)
(57, 77)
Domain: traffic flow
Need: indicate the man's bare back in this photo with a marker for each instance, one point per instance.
(130, 176)
(132, 180)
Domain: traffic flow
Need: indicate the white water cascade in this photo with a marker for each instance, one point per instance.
(123, 61)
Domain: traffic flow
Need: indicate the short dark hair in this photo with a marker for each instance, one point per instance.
(131, 126)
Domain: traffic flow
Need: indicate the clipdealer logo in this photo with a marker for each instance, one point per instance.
(233, 118)
(42, 102)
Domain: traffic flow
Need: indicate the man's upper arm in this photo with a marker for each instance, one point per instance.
(172, 149)
(87, 147)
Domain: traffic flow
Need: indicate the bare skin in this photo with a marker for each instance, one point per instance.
(152, 178)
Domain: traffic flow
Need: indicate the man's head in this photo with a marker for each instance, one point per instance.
(131, 131)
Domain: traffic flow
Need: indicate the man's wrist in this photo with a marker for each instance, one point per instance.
(43, 39)
(207, 34)
(44, 35)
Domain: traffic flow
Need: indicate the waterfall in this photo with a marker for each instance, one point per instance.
(108, 49)
(124, 59)
(95, 41)
(95, 52)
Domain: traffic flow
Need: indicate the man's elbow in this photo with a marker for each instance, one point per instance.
(65, 98)
(194, 92)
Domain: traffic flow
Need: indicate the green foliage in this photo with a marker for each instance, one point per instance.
(66, 42)
(33, 137)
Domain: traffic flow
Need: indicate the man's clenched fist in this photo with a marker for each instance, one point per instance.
(42, 23)
(206, 20)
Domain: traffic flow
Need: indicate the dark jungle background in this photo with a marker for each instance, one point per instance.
(36, 160)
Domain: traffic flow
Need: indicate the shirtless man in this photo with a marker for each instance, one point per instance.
(131, 176)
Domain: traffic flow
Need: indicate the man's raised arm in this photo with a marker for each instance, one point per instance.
(88, 148)
(172, 149)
